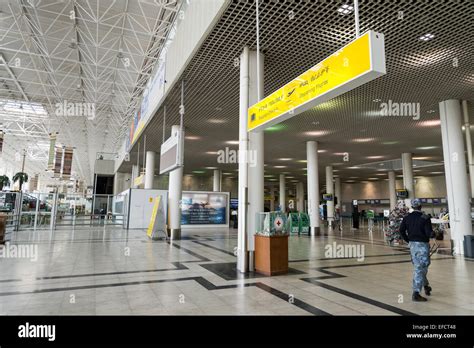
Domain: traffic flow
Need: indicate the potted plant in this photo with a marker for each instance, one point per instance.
(4, 181)
(21, 178)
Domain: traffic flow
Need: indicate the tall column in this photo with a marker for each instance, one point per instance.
(135, 174)
(392, 189)
(337, 191)
(408, 183)
(217, 182)
(330, 189)
(118, 182)
(272, 198)
(282, 194)
(150, 169)
(313, 185)
(242, 247)
(300, 199)
(256, 148)
(174, 197)
(455, 170)
(470, 162)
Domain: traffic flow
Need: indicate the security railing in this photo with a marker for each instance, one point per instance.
(35, 211)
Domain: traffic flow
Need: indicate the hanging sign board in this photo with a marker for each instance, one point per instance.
(171, 155)
(357, 63)
(67, 162)
(52, 146)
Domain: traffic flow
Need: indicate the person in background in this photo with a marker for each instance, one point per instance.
(416, 230)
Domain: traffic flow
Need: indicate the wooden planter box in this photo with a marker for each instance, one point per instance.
(271, 255)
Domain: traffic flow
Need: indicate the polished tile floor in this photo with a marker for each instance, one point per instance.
(111, 271)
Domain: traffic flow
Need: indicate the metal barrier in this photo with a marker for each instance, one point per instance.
(35, 211)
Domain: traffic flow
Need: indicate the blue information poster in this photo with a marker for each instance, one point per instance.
(204, 209)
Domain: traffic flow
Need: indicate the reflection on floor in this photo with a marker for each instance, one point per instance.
(113, 271)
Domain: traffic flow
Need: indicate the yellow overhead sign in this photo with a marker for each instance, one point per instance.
(359, 62)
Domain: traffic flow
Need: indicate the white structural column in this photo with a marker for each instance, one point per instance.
(408, 182)
(313, 185)
(242, 248)
(256, 149)
(467, 129)
(174, 197)
(455, 170)
(300, 197)
(135, 174)
(150, 169)
(337, 191)
(217, 181)
(392, 189)
(282, 195)
(330, 189)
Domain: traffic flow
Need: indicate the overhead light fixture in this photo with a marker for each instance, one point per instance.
(363, 140)
(377, 100)
(192, 137)
(430, 123)
(211, 167)
(232, 142)
(375, 157)
(280, 167)
(211, 152)
(285, 159)
(316, 133)
(345, 9)
(427, 147)
(216, 121)
(427, 37)
(321, 151)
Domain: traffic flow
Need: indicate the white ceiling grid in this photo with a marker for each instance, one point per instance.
(294, 37)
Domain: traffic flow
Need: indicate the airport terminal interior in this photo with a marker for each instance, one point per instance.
(234, 157)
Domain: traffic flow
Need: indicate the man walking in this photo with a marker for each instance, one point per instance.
(416, 230)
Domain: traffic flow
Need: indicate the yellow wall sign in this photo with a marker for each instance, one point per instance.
(359, 62)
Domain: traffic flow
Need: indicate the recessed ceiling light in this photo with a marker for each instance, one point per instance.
(192, 137)
(430, 123)
(345, 9)
(421, 158)
(232, 142)
(427, 147)
(353, 168)
(280, 167)
(427, 37)
(316, 133)
(216, 121)
(199, 171)
(302, 161)
(363, 140)
(320, 151)
(211, 167)
(285, 159)
(377, 100)
(374, 157)
(390, 142)
(437, 173)
(212, 152)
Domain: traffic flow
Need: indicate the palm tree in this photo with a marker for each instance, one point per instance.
(21, 178)
(4, 181)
